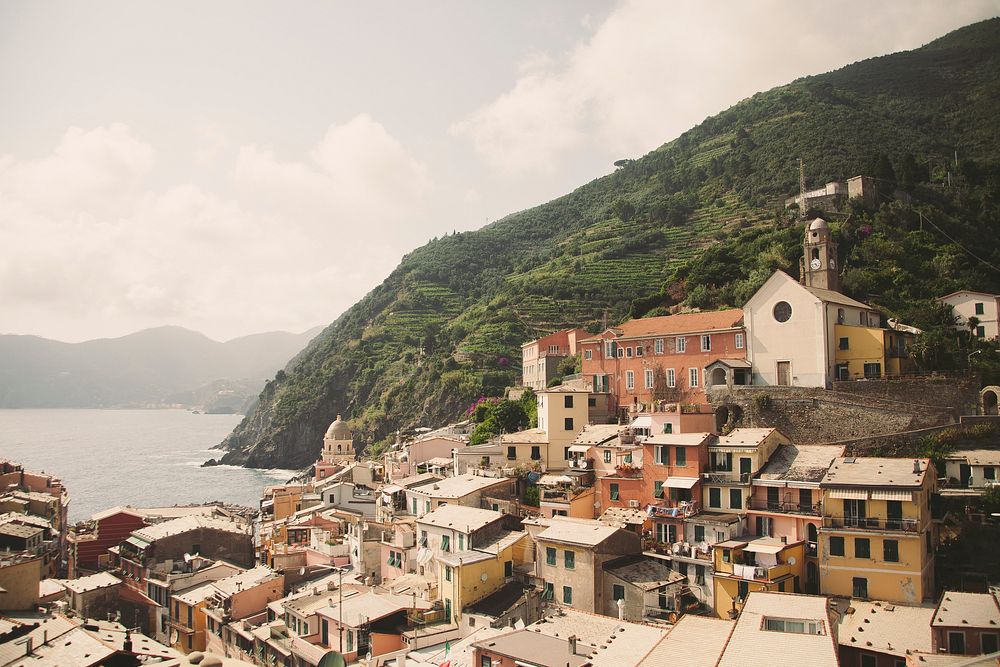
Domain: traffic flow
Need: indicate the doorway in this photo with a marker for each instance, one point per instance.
(784, 373)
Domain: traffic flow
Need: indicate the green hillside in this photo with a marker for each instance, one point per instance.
(699, 220)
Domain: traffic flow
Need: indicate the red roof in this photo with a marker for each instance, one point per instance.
(682, 323)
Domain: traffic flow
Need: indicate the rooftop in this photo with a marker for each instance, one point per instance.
(90, 583)
(244, 580)
(19, 530)
(583, 532)
(645, 573)
(371, 606)
(743, 437)
(886, 628)
(459, 487)
(528, 436)
(700, 639)
(970, 610)
(835, 297)
(878, 472)
(682, 439)
(468, 519)
(989, 457)
(668, 325)
(616, 643)
(620, 517)
(537, 649)
(800, 463)
(595, 434)
(186, 524)
(751, 639)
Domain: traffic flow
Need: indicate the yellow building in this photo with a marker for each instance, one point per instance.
(747, 564)
(877, 538)
(466, 577)
(562, 414)
(868, 352)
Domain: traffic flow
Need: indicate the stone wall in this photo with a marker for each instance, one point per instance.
(959, 392)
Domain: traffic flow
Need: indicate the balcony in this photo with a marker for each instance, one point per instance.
(673, 510)
(871, 523)
(785, 508)
(726, 477)
(677, 550)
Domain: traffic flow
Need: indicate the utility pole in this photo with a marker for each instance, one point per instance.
(340, 622)
(802, 189)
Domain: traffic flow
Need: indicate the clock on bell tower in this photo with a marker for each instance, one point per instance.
(819, 257)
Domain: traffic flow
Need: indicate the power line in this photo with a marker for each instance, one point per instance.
(943, 233)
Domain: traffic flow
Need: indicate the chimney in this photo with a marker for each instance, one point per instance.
(916, 466)
(621, 609)
(572, 644)
(127, 644)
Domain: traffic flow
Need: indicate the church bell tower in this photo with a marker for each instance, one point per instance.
(818, 267)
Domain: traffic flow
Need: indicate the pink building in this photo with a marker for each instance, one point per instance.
(540, 358)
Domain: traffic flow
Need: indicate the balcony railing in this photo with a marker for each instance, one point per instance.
(786, 508)
(726, 477)
(669, 510)
(871, 523)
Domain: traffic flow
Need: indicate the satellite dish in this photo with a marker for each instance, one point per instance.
(791, 560)
(187, 558)
(332, 659)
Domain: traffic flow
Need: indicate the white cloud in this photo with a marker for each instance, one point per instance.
(654, 69)
(88, 242)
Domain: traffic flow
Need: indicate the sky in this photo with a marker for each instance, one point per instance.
(242, 166)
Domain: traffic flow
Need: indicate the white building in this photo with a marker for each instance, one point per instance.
(981, 305)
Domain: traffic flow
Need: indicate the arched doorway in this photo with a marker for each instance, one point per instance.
(813, 534)
(989, 402)
(721, 418)
(717, 377)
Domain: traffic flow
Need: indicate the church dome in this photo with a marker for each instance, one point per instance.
(339, 430)
(818, 224)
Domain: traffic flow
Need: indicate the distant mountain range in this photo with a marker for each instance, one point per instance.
(151, 368)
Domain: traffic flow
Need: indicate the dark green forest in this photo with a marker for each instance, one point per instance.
(699, 222)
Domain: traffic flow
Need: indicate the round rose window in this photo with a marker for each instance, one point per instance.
(782, 311)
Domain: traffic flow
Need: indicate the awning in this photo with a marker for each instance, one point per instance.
(391, 488)
(579, 449)
(680, 482)
(642, 422)
(552, 480)
(892, 494)
(849, 494)
(137, 542)
(765, 548)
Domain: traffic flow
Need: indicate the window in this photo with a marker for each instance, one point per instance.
(699, 575)
(569, 559)
(736, 499)
(727, 555)
(638, 350)
(588, 354)
(981, 332)
(567, 401)
(989, 472)
(427, 506)
(621, 352)
(845, 343)
(591, 402)
(607, 456)
(609, 349)
(550, 555)
(508, 568)
(461, 542)
(661, 454)
(743, 590)
(890, 551)
(739, 341)
(657, 489)
(628, 458)
(873, 370)
(706, 343)
(692, 377)
(350, 641)
(680, 456)
(445, 543)
(614, 492)
(836, 546)
(862, 547)
(413, 505)
(805, 499)
(979, 309)
(649, 378)
(715, 498)
(536, 453)
(699, 533)
(548, 595)
(567, 595)
(568, 423)
(782, 311)
(658, 346)
(956, 643)
(794, 626)
(628, 352)
(630, 380)
(671, 378)
(511, 453)
(989, 643)
(485, 660)
(681, 344)
(859, 587)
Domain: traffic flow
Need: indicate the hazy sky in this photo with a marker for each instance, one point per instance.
(236, 167)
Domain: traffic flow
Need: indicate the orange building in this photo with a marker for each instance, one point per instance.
(540, 358)
(662, 359)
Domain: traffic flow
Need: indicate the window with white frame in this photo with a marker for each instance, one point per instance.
(706, 343)
(630, 379)
(671, 378)
(638, 350)
(692, 377)
(658, 346)
(588, 354)
(739, 341)
(628, 352)
(649, 378)
(681, 345)
(609, 349)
